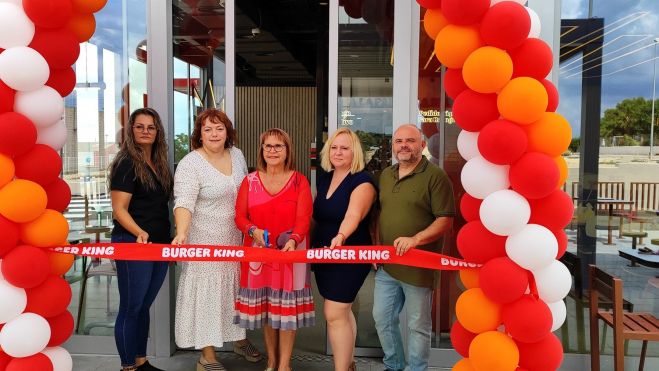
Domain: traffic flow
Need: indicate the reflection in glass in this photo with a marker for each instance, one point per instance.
(365, 105)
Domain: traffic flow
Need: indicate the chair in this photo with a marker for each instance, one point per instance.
(108, 270)
(626, 325)
(98, 228)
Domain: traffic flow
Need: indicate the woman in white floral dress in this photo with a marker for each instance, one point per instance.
(205, 187)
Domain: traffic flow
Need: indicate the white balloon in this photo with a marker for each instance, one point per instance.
(468, 144)
(558, 314)
(16, 29)
(533, 247)
(505, 212)
(535, 24)
(53, 136)
(43, 106)
(25, 335)
(433, 145)
(14, 300)
(553, 282)
(60, 358)
(521, 2)
(23, 68)
(481, 178)
(17, 2)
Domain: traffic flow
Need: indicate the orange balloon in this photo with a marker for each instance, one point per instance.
(562, 168)
(60, 263)
(22, 200)
(88, 6)
(476, 312)
(523, 100)
(7, 170)
(463, 365)
(433, 22)
(550, 135)
(469, 278)
(453, 44)
(493, 351)
(47, 230)
(82, 25)
(487, 69)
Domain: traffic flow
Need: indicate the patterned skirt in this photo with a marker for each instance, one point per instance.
(274, 294)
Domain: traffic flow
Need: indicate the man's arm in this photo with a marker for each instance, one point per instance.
(431, 234)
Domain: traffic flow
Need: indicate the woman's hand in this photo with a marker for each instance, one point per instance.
(180, 239)
(338, 240)
(290, 246)
(257, 236)
(142, 237)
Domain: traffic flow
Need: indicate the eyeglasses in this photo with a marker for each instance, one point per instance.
(275, 148)
(148, 129)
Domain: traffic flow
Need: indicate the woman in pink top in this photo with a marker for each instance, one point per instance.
(275, 296)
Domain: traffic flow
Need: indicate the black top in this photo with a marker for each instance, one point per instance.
(149, 208)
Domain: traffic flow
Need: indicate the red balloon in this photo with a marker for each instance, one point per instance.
(472, 110)
(38, 361)
(7, 95)
(552, 94)
(561, 237)
(17, 134)
(470, 207)
(533, 59)
(9, 235)
(502, 142)
(353, 8)
(41, 165)
(454, 84)
(430, 4)
(503, 281)
(26, 266)
(4, 357)
(545, 355)
(48, 13)
(534, 175)
(464, 12)
(59, 47)
(554, 211)
(63, 80)
(61, 328)
(528, 319)
(506, 25)
(461, 338)
(59, 195)
(49, 299)
(478, 245)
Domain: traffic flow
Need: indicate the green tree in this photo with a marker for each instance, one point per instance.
(630, 117)
(181, 146)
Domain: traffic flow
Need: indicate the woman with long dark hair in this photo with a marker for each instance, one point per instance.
(141, 186)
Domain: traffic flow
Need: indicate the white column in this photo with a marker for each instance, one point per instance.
(406, 62)
(550, 19)
(333, 68)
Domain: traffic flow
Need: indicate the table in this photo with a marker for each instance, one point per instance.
(611, 202)
(648, 260)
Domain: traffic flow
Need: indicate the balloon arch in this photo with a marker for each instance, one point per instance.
(39, 42)
(515, 209)
(514, 204)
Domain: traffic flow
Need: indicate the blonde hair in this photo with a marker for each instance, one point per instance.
(357, 152)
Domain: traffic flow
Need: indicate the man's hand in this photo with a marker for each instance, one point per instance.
(404, 244)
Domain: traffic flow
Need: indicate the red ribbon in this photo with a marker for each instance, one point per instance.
(344, 254)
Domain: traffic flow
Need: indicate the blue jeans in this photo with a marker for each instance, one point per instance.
(390, 295)
(139, 283)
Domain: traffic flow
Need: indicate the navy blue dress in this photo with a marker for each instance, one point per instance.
(339, 282)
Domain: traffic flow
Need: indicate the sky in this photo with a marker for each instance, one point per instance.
(630, 28)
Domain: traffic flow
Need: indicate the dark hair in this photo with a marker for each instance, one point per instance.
(131, 150)
(217, 117)
(280, 134)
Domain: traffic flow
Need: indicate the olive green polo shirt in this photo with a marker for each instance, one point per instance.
(408, 206)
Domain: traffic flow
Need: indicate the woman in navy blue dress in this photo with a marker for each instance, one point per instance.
(341, 213)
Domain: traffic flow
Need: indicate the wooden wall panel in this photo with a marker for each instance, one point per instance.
(292, 109)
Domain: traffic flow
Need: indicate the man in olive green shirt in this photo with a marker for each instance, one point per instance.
(417, 208)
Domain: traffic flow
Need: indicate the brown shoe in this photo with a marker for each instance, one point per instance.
(247, 350)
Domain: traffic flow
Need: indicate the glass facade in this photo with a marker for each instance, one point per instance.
(281, 71)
